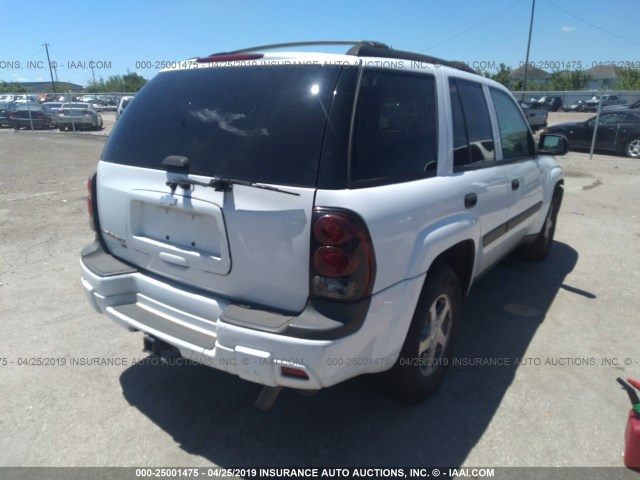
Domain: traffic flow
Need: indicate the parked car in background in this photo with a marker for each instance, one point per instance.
(5, 112)
(108, 103)
(25, 98)
(33, 115)
(54, 106)
(537, 117)
(591, 105)
(576, 107)
(552, 104)
(78, 116)
(46, 97)
(631, 106)
(635, 104)
(124, 101)
(618, 130)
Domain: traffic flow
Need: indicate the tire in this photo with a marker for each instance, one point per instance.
(426, 353)
(539, 249)
(632, 148)
(61, 128)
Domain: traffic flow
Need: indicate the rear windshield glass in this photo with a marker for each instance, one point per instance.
(263, 124)
(28, 106)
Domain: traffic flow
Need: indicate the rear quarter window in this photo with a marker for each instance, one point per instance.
(395, 129)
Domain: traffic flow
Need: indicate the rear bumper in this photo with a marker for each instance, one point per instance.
(251, 343)
(79, 121)
(25, 122)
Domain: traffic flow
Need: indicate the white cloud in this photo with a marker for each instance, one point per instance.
(568, 29)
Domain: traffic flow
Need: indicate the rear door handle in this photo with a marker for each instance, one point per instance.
(470, 200)
(515, 184)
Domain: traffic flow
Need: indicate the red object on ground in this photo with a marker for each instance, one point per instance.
(632, 441)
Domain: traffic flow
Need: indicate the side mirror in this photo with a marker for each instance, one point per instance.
(551, 144)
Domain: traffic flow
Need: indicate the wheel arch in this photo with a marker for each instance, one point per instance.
(460, 258)
(450, 242)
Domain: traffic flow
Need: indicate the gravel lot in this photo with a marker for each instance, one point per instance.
(574, 318)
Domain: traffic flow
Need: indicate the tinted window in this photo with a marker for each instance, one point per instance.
(472, 136)
(262, 124)
(611, 119)
(514, 130)
(28, 106)
(396, 128)
(631, 119)
(76, 105)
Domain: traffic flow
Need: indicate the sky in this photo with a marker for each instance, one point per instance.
(116, 36)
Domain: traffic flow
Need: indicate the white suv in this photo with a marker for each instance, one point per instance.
(298, 219)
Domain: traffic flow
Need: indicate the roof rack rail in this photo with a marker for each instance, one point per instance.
(274, 46)
(360, 48)
(375, 51)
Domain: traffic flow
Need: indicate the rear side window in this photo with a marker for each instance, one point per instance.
(28, 106)
(395, 135)
(472, 136)
(263, 124)
(516, 139)
(631, 119)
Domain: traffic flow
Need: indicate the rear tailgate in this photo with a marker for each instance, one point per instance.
(262, 125)
(250, 245)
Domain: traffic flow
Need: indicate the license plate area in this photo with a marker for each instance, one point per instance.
(190, 233)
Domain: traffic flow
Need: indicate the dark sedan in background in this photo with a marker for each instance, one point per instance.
(33, 115)
(618, 130)
(5, 113)
(553, 104)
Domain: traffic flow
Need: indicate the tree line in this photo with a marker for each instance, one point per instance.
(129, 83)
(627, 79)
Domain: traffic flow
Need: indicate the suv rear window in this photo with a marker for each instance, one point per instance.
(263, 124)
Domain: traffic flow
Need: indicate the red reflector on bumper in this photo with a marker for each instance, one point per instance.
(294, 372)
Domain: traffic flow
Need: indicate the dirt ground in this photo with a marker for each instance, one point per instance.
(570, 322)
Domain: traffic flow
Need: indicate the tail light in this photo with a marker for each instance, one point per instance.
(91, 181)
(12, 114)
(86, 112)
(41, 115)
(342, 257)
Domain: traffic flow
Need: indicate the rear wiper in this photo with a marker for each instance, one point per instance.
(222, 184)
